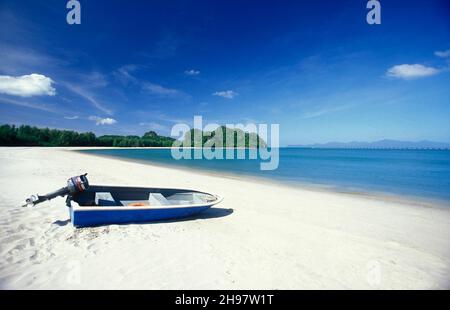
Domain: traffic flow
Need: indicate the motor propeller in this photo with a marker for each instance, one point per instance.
(75, 185)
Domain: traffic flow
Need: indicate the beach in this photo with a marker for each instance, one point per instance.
(262, 236)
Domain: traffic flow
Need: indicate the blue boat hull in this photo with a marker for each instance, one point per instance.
(105, 205)
(88, 218)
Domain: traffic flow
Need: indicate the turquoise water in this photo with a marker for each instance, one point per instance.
(420, 173)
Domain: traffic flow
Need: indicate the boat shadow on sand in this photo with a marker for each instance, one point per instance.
(208, 214)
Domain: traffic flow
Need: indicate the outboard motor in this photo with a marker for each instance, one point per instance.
(75, 185)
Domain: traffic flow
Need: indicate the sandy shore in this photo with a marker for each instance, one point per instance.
(261, 236)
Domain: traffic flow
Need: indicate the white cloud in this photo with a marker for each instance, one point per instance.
(87, 95)
(229, 94)
(93, 79)
(160, 90)
(71, 117)
(123, 74)
(15, 60)
(25, 104)
(102, 121)
(408, 72)
(442, 54)
(27, 85)
(192, 72)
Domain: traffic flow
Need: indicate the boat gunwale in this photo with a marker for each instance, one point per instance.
(76, 207)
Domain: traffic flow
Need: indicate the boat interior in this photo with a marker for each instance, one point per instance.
(109, 196)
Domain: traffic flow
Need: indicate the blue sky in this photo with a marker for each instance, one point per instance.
(315, 67)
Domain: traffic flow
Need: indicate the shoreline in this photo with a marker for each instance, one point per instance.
(260, 236)
(373, 195)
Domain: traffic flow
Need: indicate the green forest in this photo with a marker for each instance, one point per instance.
(238, 136)
(24, 135)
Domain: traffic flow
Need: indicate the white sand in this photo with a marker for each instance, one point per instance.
(276, 238)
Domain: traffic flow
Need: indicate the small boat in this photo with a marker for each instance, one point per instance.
(101, 205)
(94, 205)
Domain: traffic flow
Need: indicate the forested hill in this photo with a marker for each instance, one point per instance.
(230, 138)
(32, 136)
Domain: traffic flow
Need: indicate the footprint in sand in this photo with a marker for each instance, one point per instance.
(92, 249)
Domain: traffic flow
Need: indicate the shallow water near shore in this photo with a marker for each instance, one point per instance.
(413, 173)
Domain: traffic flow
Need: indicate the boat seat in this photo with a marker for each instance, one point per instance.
(157, 199)
(198, 198)
(187, 198)
(154, 199)
(104, 199)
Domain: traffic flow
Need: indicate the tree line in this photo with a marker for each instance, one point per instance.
(25, 135)
(225, 137)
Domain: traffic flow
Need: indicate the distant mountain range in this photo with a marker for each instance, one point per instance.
(382, 144)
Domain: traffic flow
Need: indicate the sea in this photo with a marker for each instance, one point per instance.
(411, 173)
